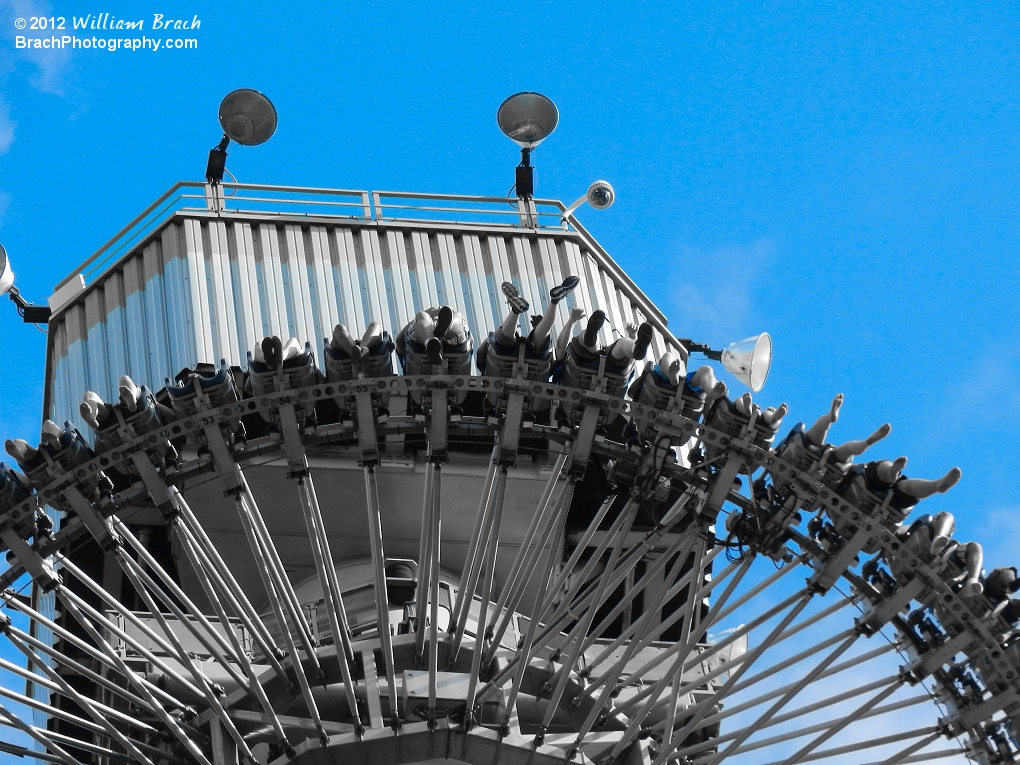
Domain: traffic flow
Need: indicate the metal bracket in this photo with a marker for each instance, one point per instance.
(368, 438)
(222, 458)
(40, 569)
(439, 425)
(872, 621)
(98, 526)
(584, 440)
(822, 581)
(293, 449)
(511, 438)
(153, 483)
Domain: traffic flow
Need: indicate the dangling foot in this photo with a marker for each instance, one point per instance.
(443, 322)
(878, 435)
(772, 417)
(674, 370)
(556, 294)
(434, 348)
(949, 480)
(837, 402)
(517, 303)
(590, 338)
(130, 393)
(20, 449)
(644, 338)
(743, 404)
(971, 588)
(888, 471)
(51, 434)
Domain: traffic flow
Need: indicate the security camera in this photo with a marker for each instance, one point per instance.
(600, 196)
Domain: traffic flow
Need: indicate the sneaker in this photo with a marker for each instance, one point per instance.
(517, 303)
(443, 322)
(434, 348)
(641, 342)
(591, 332)
(556, 294)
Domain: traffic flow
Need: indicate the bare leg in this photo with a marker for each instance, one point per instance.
(844, 452)
(373, 336)
(920, 488)
(704, 378)
(93, 409)
(540, 334)
(567, 332)
(622, 351)
(942, 531)
(423, 327)
(672, 366)
(972, 586)
(772, 417)
(344, 341)
(816, 433)
(888, 471)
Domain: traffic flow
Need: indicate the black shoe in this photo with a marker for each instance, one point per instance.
(644, 337)
(517, 303)
(443, 321)
(434, 348)
(591, 332)
(556, 294)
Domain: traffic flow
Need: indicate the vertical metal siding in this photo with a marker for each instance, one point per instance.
(202, 289)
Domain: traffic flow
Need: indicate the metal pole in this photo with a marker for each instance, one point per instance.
(483, 503)
(436, 536)
(424, 563)
(40, 737)
(382, 604)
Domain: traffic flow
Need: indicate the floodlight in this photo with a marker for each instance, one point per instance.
(247, 118)
(31, 314)
(527, 119)
(748, 360)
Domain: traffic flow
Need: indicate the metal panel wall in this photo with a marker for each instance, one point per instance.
(206, 288)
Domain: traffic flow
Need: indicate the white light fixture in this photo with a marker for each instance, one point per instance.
(247, 118)
(31, 314)
(527, 119)
(748, 360)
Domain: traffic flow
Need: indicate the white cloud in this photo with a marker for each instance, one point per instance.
(51, 66)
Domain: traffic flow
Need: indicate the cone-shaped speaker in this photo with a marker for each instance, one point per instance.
(6, 274)
(749, 360)
(248, 117)
(527, 118)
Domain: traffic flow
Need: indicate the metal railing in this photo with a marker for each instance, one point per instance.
(319, 203)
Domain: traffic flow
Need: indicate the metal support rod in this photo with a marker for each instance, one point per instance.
(279, 573)
(676, 671)
(799, 732)
(874, 742)
(483, 503)
(213, 634)
(424, 564)
(129, 616)
(630, 511)
(330, 588)
(135, 645)
(489, 563)
(800, 685)
(81, 645)
(436, 536)
(43, 739)
(141, 580)
(225, 579)
(520, 663)
(53, 687)
(915, 747)
(238, 601)
(843, 722)
(579, 549)
(526, 554)
(643, 622)
(138, 581)
(470, 580)
(84, 703)
(382, 604)
(254, 683)
(95, 677)
(704, 707)
(553, 526)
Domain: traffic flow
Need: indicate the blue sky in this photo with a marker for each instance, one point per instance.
(845, 178)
